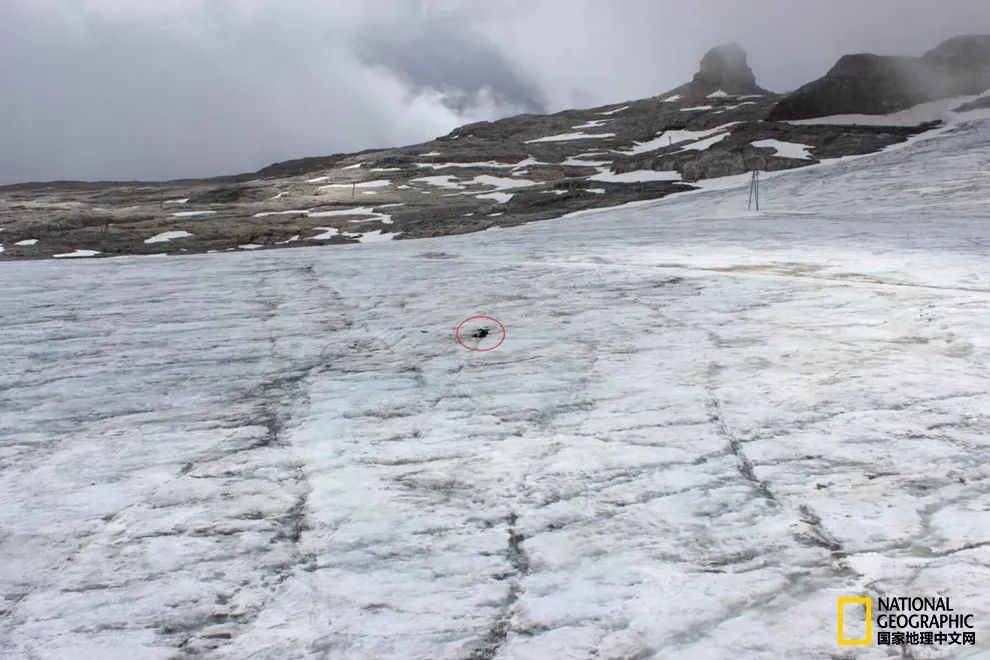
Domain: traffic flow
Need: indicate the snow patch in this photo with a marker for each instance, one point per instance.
(77, 254)
(27, 243)
(594, 123)
(167, 236)
(612, 112)
(919, 114)
(786, 149)
(564, 137)
(265, 214)
(190, 214)
(637, 176)
(377, 183)
(384, 218)
(328, 233)
(499, 197)
(674, 137)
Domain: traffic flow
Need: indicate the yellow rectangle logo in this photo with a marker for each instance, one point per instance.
(855, 600)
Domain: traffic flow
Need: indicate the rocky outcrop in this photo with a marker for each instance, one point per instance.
(874, 84)
(723, 68)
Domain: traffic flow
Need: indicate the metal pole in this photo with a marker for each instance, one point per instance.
(757, 178)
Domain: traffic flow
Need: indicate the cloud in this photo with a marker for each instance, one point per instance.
(127, 90)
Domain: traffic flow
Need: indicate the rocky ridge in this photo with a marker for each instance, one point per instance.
(500, 173)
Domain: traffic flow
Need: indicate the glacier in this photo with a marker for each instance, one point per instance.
(703, 426)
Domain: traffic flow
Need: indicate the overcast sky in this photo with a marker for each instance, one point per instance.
(151, 89)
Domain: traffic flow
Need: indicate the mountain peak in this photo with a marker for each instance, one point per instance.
(725, 67)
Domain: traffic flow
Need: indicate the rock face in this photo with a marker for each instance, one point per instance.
(725, 67)
(874, 84)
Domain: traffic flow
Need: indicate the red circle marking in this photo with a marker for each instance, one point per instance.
(457, 333)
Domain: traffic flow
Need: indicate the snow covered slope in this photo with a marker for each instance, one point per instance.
(703, 426)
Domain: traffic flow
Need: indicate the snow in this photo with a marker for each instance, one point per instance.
(564, 137)
(671, 99)
(919, 114)
(637, 176)
(451, 182)
(375, 236)
(378, 183)
(697, 107)
(328, 233)
(703, 145)
(594, 123)
(353, 167)
(718, 94)
(704, 425)
(317, 179)
(177, 201)
(487, 164)
(580, 162)
(432, 153)
(447, 181)
(369, 211)
(76, 254)
(597, 191)
(191, 214)
(786, 149)
(609, 113)
(280, 195)
(499, 197)
(677, 136)
(500, 183)
(265, 214)
(737, 105)
(167, 236)
(27, 242)
(250, 246)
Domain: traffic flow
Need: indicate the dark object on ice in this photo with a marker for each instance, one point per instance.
(480, 333)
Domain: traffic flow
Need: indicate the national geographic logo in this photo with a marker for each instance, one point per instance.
(902, 620)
